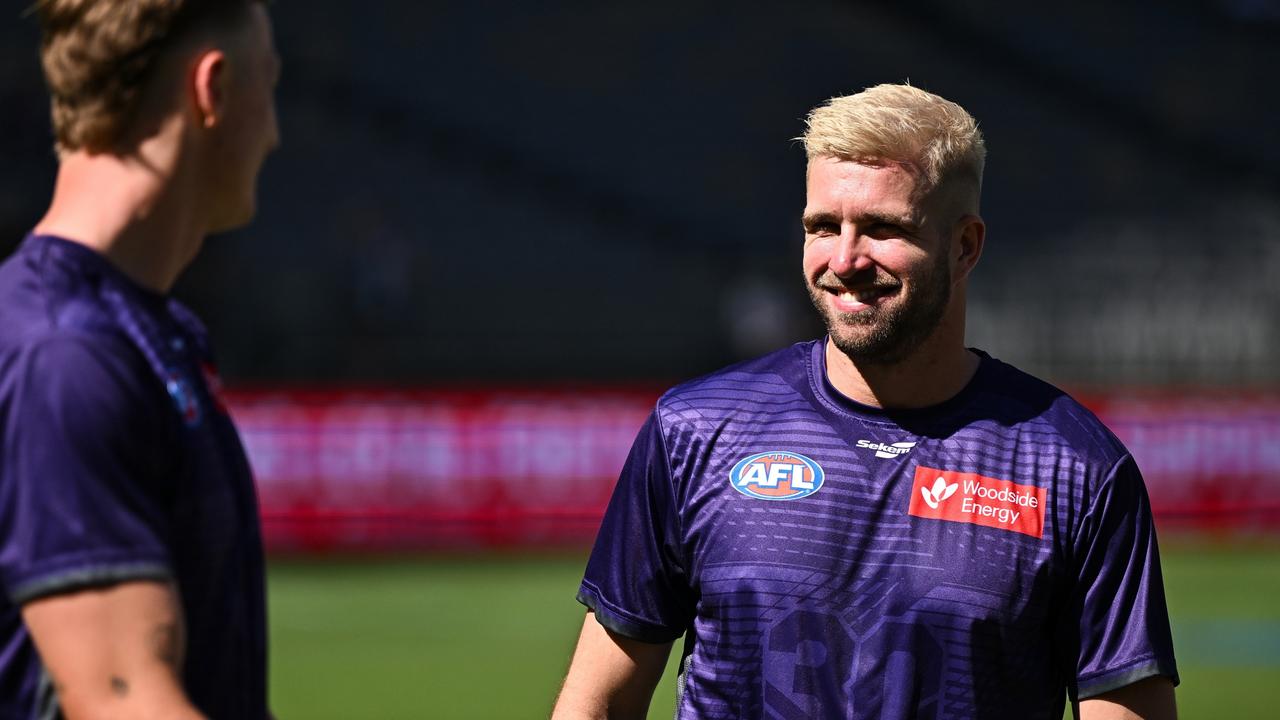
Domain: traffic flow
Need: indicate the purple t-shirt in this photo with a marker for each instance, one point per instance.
(120, 464)
(986, 557)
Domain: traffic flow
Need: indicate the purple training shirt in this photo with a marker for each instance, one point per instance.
(984, 558)
(119, 464)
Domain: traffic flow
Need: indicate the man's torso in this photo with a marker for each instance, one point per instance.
(186, 475)
(852, 562)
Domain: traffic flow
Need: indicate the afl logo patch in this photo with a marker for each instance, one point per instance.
(776, 475)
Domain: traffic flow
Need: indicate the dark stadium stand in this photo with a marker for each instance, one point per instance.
(572, 191)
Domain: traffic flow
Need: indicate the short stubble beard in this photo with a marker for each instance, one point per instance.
(888, 335)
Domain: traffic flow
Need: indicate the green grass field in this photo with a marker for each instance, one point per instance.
(490, 636)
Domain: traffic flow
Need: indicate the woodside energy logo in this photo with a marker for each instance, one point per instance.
(977, 499)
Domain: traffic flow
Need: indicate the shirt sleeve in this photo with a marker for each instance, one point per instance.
(1121, 630)
(635, 580)
(82, 469)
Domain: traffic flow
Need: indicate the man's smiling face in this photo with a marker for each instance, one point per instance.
(876, 264)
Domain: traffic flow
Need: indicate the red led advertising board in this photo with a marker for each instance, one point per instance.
(520, 468)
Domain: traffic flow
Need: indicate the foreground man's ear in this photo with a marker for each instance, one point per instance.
(969, 236)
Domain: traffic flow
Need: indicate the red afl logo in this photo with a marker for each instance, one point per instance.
(776, 475)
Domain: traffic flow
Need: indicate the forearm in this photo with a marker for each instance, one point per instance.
(611, 677)
(115, 652)
(122, 700)
(598, 691)
(1148, 699)
(570, 705)
(586, 698)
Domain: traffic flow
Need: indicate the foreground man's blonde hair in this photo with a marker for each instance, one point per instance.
(901, 124)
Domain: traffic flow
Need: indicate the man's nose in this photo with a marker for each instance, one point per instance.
(849, 256)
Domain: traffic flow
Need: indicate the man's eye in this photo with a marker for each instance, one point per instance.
(824, 229)
(885, 230)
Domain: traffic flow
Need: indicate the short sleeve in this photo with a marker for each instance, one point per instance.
(1120, 632)
(82, 469)
(635, 580)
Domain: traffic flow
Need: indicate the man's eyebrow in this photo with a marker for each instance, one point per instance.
(867, 218)
(818, 218)
(882, 218)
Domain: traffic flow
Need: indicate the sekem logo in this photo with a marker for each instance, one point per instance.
(776, 475)
(888, 452)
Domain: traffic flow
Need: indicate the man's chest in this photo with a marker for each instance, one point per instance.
(961, 529)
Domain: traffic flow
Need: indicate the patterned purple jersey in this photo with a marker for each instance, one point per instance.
(119, 464)
(828, 559)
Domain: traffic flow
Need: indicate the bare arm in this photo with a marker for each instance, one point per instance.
(113, 652)
(1149, 699)
(611, 677)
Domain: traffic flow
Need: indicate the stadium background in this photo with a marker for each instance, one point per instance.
(495, 231)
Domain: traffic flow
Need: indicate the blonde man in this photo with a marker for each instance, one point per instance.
(130, 553)
(882, 523)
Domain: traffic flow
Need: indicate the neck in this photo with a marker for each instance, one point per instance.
(133, 209)
(936, 372)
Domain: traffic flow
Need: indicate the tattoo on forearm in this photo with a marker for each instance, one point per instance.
(119, 687)
(166, 642)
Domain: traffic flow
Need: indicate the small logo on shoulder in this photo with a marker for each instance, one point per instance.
(776, 475)
(184, 398)
(887, 451)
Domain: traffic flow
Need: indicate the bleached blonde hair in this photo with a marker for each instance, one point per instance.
(902, 124)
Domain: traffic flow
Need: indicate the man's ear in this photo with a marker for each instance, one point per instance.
(209, 89)
(970, 233)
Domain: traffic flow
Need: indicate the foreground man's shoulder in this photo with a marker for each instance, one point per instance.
(759, 380)
(1016, 397)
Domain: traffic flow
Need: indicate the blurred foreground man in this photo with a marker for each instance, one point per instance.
(882, 523)
(130, 551)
